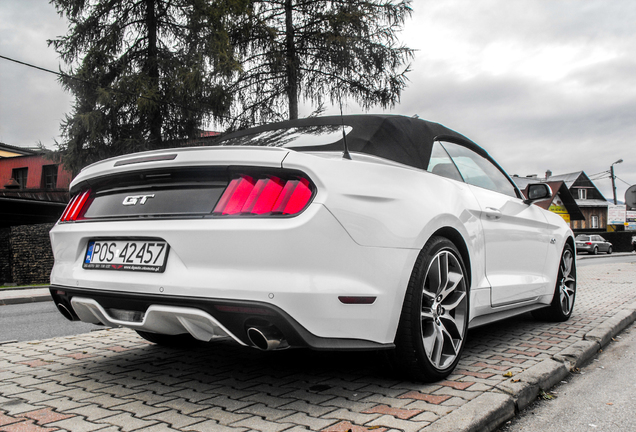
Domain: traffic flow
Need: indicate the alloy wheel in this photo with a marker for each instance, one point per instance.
(567, 283)
(444, 309)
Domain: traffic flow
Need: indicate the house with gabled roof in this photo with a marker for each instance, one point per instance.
(590, 200)
(585, 200)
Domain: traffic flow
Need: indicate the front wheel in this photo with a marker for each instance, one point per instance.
(565, 291)
(434, 320)
(609, 250)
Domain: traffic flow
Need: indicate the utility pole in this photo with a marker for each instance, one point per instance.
(614, 178)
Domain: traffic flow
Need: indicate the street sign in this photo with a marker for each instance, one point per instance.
(616, 215)
(630, 198)
(630, 221)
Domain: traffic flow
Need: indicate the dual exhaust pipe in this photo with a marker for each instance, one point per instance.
(66, 313)
(267, 338)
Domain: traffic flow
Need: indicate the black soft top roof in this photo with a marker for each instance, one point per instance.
(398, 138)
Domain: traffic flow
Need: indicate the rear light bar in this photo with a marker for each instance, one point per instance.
(77, 207)
(271, 195)
(256, 194)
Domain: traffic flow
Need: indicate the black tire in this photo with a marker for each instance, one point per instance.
(595, 251)
(172, 341)
(434, 320)
(564, 292)
(609, 250)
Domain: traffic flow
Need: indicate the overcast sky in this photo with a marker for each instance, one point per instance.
(540, 84)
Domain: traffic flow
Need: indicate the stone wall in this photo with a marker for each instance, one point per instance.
(28, 255)
(5, 256)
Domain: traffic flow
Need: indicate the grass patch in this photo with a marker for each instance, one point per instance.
(22, 286)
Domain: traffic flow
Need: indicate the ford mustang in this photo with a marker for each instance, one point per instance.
(369, 232)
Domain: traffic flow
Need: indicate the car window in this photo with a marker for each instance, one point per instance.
(292, 137)
(479, 171)
(582, 238)
(441, 164)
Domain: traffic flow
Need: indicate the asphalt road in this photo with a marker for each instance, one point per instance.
(35, 321)
(602, 397)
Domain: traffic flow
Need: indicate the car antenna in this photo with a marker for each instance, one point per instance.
(345, 153)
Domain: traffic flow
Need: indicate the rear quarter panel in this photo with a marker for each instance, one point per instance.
(384, 204)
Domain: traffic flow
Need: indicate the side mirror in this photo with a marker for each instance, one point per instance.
(538, 192)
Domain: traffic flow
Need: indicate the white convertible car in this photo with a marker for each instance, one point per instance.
(370, 232)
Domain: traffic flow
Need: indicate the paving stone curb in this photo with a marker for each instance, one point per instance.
(490, 410)
(484, 413)
(610, 328)
(12, 296)
(21, 300)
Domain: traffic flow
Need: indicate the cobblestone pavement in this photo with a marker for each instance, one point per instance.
(112, 380)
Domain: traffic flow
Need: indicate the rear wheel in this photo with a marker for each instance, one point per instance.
(565, 291)
(595, 251)
(172, 341)
(434, 320)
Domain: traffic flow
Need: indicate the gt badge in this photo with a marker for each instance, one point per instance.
(134, 199)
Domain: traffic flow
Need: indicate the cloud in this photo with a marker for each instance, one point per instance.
(539, 84)
(32, 103)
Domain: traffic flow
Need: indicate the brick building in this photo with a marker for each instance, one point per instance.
(33, 187)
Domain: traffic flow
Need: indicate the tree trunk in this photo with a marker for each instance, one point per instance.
(292, 62)
(152, 69)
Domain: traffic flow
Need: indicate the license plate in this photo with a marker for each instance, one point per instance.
(126, 255)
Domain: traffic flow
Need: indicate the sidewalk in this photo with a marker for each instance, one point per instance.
(110, 379)
(9, 296)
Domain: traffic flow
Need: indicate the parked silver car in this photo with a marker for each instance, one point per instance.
(592, 244)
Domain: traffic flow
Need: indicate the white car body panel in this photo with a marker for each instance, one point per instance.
(360, 236)
(275, 271)
(516, 244)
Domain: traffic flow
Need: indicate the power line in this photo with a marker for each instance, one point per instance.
(599, 177)
(602, 172)
(60, 74)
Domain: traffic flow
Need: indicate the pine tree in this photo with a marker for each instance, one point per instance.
(143, 72)
(314, 51)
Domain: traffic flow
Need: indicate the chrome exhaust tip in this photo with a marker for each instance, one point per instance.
(266, 338)
(66, 313)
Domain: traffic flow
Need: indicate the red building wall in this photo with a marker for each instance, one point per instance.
(34, 163)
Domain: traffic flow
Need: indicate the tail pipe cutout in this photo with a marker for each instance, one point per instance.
(267, 338)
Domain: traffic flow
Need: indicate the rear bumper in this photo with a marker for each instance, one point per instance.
(204, 319)
(296, 268)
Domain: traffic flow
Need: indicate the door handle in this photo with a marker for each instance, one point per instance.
(493, 213)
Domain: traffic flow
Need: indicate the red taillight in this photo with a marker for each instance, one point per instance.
(76, 207)
(263, 196)
(267, 195)
(294, 197)
(235, 195)
(588, 243)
